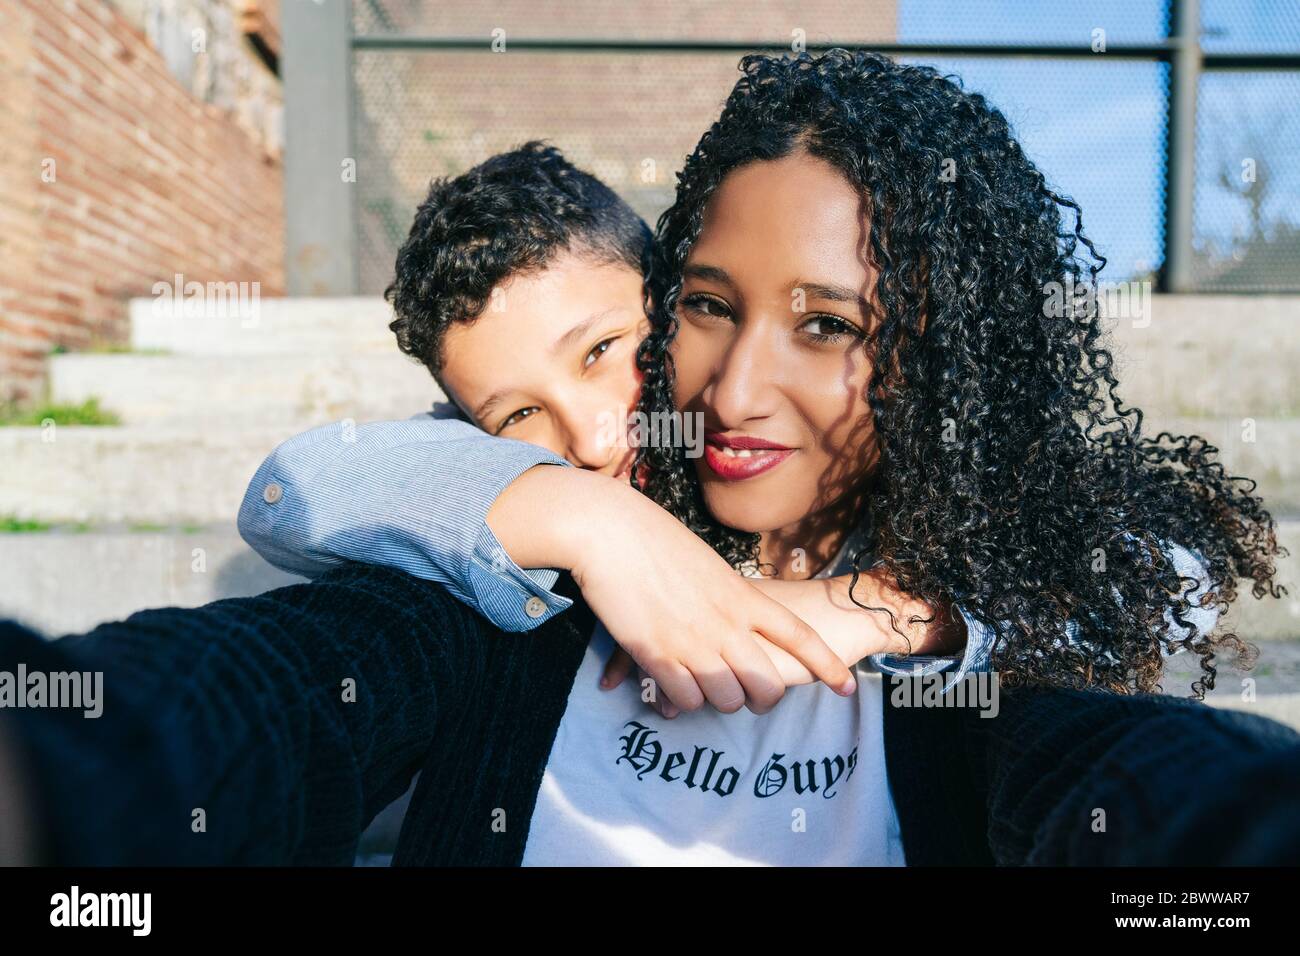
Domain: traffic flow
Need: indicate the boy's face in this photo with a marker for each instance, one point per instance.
(552, 361)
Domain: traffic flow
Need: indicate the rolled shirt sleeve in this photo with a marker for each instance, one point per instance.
(975, 659)
(981, 638)
(412, 495)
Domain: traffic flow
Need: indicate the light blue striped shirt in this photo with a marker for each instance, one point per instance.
(415, 494)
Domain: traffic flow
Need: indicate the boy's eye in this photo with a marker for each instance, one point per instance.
(516, 417)
(827, 328)
(706, 305)
(597, 351)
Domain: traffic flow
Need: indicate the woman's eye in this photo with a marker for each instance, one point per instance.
(516, 417)
(826, 328)
(706, 305)
(597, 351)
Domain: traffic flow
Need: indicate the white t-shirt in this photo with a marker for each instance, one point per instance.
(803, 785)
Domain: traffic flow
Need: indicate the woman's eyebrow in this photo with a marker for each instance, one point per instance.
(707, 273)
(816, 290)
(832, 293)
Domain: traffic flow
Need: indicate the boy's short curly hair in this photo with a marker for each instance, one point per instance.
(509, 215)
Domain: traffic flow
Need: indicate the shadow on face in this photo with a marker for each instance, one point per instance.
(773, 349)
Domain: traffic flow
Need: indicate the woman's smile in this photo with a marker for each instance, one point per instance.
(737, 457)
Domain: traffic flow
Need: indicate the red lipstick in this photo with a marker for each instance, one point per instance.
(745, 456)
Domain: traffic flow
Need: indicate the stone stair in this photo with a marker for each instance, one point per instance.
(202, 401)
(250, 391)
(63, 582)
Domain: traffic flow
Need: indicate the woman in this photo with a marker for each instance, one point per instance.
(866, 344)
(978, 442)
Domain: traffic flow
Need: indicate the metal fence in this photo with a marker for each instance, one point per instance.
(1176, 125)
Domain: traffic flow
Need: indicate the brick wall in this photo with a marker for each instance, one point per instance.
(630, 118)
(115, 175)
(841, 21)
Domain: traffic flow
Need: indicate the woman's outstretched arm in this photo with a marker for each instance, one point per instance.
(1092, 778)
(261, 730)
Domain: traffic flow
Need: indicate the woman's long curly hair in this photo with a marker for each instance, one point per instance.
(1011, 478)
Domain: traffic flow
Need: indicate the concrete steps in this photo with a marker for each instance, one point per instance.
(63, 582)
(1212, 356)
(246, 391)
(130, 474)
(275, 326)
(203, 403)
(1266, 450)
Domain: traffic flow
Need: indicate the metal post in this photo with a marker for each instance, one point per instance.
(319, 161)
(1180, 144)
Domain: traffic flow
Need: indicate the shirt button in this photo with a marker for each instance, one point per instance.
(272, 493)
(534, 607)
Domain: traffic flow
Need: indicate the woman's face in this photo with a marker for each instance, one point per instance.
(774, 315)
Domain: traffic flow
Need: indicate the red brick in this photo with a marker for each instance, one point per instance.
(150, 183)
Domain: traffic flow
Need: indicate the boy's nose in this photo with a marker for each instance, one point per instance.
(591, 441)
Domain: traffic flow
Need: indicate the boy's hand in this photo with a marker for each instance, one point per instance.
(851, 631)
(693, 624)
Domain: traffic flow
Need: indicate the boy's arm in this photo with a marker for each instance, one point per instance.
(413, 495)
(426, 496)
(370, 493)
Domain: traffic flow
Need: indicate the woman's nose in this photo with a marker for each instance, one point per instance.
(743, 378)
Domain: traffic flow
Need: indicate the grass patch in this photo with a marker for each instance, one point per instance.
(104, 347)
(146, 527)
(113, 348)
(11, 525)
(87, 413)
